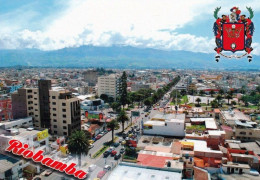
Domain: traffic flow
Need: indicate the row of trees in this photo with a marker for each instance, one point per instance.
(156, 95)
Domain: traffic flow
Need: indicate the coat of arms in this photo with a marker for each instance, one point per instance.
(234, 33)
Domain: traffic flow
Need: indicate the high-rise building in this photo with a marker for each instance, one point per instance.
(90, 77)
(44, 87)
(108, 85)
(19, 105)
(51, 108)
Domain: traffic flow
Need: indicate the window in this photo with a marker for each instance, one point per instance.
(243, 133)
(35, 93)
(64, 115)
(55, 126)
(54, 120)
(53, 97)
(54, 109)
(55, 132)
(36, 109)
(250, 133)
(53, 103)
(63, 110)
(63, 104)
(35, 98)
(64, 121)
(65, 133)
(54, 115)
(29, 91)
(64, 127)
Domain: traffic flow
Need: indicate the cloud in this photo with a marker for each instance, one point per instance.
(139, 23)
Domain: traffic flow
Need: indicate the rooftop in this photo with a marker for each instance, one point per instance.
(130, 172)
(7, 162)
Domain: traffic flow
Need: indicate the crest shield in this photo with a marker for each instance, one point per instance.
(233, 36)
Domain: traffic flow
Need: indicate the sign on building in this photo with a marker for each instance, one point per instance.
(42, 135)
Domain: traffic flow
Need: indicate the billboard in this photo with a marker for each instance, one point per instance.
(94, 115)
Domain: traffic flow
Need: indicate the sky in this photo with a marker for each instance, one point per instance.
(159, 24)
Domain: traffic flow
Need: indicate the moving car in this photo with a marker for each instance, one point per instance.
(92, 167)
(101, 174)
(106, 154)
(117, 156)
(107, 168)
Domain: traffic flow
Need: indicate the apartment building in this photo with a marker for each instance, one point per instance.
(64, 112)
(108, 85)
(51, 108)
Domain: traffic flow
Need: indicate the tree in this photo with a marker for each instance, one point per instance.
(148, 102)
(198, 100)
(78, 144)
(218, 98)
(183, 92)
(115, 106)
(122, 118)
(110, 100)
(258, 88)
(231, 93)
(201, 92)
(104, 97)
(229, 97)
(212, 92)
(221, 92)
(233, 103)
(113, 125)
(123, 89)
(214, 104)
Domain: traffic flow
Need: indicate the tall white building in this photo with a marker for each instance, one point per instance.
(108, 85)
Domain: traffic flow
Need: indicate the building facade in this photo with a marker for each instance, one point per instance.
(108, 85)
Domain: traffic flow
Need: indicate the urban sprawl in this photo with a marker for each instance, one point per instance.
(113, 124)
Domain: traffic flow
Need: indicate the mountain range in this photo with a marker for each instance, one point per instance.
(121, 57)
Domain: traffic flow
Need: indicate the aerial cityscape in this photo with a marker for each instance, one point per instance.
(109, 90)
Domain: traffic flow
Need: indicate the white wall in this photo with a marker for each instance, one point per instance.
(172, 129)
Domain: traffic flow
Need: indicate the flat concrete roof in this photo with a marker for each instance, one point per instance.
(128, 172)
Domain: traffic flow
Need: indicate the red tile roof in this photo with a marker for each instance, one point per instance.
(152, 160)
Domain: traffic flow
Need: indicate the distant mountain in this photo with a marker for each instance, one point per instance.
(120, 57)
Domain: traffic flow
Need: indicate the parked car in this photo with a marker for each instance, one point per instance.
(123, 142)
(98, 137)
(106, 154)
(113, 153)
(116, 144)
(91, 146)
(117, 156)
(91, 141)
(107, 168)
(101, 174)
(122, 150)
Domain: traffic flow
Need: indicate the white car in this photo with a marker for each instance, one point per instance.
(112, 148)
(92, 167)
(107, 167)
